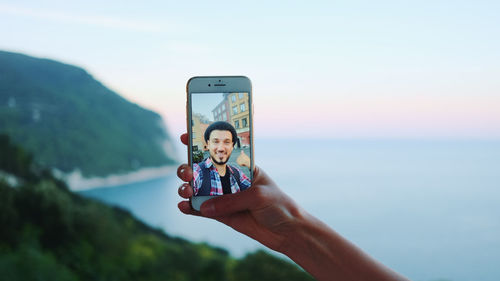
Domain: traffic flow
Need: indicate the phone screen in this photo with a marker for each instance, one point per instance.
(221, 142)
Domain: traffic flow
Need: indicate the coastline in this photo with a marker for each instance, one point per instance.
(76, 182)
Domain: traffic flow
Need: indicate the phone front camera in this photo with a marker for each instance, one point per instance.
(208, 85)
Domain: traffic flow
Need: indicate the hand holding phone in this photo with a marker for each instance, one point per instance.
(220, 153)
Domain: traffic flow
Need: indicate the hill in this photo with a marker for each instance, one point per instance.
(50, 233)
(73, 122)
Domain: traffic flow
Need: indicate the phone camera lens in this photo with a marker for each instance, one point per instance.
(208, 85)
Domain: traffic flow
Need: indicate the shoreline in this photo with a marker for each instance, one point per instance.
(76, 182)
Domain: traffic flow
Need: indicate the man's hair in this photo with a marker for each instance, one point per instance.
(222, 126)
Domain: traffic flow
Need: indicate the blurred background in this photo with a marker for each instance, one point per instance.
(382, 119)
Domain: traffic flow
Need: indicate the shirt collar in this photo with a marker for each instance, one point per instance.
(208, 163)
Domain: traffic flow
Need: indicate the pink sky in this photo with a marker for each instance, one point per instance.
(377, 117)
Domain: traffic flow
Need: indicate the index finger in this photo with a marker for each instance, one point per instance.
(184, 138)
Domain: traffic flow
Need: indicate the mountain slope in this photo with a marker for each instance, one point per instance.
(71, 121)
(50, 233)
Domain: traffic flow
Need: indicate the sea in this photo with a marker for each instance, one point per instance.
(429, 209)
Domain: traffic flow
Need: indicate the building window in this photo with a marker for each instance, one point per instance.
(224, 116)
(240, 95)
(237, 124)
(244, 122)
(233, 98)
(242, 107)
(235, 109)
(223, 106)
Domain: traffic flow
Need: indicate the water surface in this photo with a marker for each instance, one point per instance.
(428, 209)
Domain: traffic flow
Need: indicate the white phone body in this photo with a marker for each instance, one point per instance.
(212, 99)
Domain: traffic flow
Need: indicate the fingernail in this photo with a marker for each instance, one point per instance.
(207, 209)
(182, 170)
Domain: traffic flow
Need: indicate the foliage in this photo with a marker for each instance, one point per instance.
(13, 159)
(71, 121)
(50, 233)
(197, 156)
(264, 267)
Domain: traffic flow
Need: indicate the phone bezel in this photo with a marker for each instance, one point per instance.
(217, 84)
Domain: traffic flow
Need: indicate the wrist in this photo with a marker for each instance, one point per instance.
(299, 235)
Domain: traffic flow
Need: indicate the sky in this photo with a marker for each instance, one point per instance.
(322, 69)
(204, 103)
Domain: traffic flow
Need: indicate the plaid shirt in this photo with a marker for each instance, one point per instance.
(216, 185)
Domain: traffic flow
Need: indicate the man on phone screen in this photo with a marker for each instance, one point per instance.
(213, 176)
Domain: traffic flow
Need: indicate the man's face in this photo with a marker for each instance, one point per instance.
(220, 145)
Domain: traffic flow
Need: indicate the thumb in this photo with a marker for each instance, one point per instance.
(228, 204)
(236, 202)
(261, 190)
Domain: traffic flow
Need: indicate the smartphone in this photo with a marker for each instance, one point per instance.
(220, 129)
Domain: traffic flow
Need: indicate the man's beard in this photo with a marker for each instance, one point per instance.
(220, 162)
